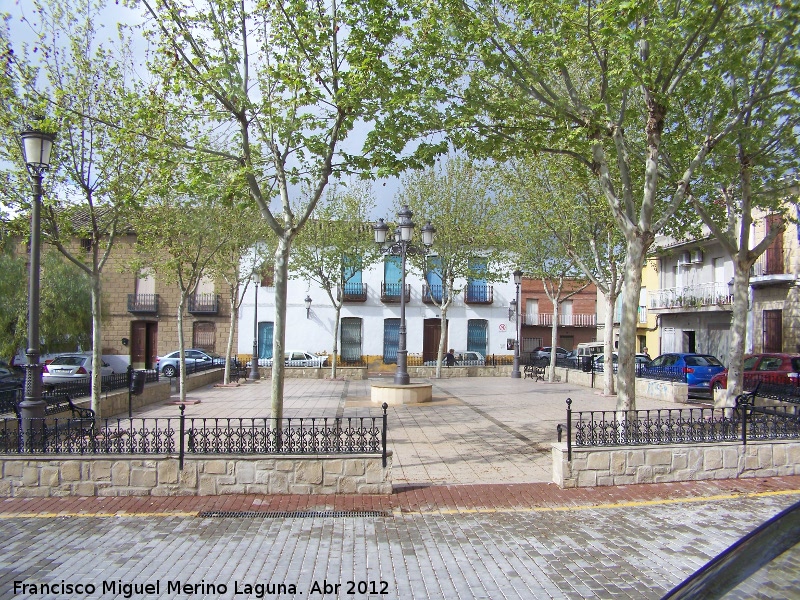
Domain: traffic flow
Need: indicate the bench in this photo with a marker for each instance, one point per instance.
(81, 423)
(237, 372)
(536, 369)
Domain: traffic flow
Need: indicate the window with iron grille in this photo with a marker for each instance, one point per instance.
(773, 331)
(204, 336)
(391, 340)
(351, 339)
(477, 335)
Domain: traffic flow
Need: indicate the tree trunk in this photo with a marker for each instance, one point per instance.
(182, 349)
(626, 371)
(279, 333)
(608, 346)
(553, 339)
(97, 343)
(337, 320)
(231, 334)
(442, 340)
(741, 287)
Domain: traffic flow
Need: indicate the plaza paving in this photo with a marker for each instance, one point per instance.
(473, 516)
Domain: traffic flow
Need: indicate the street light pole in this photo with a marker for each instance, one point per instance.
(515, 374)
(254, 374)
(402, 247)
(36, 146)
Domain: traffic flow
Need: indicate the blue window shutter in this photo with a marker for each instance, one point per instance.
(265, 339)
(391, 340)
(478, 336)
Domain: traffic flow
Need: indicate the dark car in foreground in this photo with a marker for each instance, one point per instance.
(767, 368)
(695, 369)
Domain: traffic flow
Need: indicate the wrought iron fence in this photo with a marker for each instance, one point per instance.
(683, 425)
(182, 435)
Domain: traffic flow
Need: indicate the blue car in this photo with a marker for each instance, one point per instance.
(698, 369)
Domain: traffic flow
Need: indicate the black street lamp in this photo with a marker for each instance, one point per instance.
(402, 247)
(515, 374)
(36, 147)
(254, 374)
(308, 306)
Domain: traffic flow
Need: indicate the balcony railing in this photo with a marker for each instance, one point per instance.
(353, 292)
(478, 294)
(431, 293)
(705, 294)
(143, 303)
(205, 304)
(390, 292)
(546, 320)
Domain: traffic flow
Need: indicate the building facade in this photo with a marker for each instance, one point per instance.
(477, 319)
(577, 315)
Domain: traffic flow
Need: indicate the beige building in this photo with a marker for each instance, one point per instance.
(139, 319)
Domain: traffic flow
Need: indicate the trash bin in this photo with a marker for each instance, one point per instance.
(137, 383)
(586, 364)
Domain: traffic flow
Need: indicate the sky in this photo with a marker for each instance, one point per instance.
(22, 33)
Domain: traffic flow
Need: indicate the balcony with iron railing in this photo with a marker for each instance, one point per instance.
(478, 294)
(769, 263)
(695, 296)
(204, 304)
(431, 293)
(353, 292)
(564, 320)
(143, 303)
(390, 292)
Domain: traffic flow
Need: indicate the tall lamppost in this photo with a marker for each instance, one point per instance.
(515, 374)
(402, 247)
(36, 146)
(254, 374)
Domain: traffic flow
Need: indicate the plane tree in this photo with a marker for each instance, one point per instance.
(455, 195)
(627, 90)
(80, 81)
(335, 246)
(550, 196)
(278, 87)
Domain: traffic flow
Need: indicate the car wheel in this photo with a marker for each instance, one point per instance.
(718, 385)
(169, 371)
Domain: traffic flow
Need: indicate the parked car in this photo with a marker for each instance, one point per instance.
(65, 368)
(169, 364)
(464, 358)
(599, 361)
(697, 368)
(11, 377)
(296, 358)
(544, 352)
(769, 368)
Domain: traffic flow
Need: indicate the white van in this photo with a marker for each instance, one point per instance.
(589, 348)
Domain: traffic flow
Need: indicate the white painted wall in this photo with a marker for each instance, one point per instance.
(315, 334)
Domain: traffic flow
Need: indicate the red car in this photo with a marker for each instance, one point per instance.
(769, 368)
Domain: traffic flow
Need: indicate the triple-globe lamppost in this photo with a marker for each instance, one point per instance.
(402, 247)
(36, 147)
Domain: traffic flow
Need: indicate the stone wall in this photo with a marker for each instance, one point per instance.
(24, 476)
(626, 465)
(668, 391)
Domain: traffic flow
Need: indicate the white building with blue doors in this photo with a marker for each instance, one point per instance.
(478, 317)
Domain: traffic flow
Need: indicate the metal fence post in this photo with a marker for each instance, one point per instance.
(569, 429)
(182, 432)
(130, 383)
(383, 434)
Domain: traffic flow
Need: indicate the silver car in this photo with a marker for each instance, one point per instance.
(71, 367)
(296, 358)
(169, 364)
